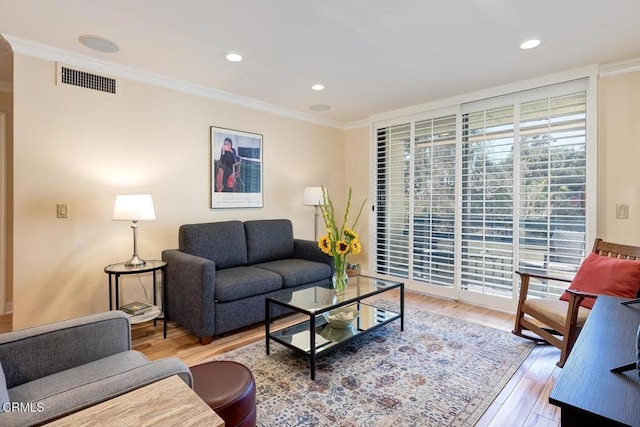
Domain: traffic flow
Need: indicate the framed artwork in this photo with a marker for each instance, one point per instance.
(236, 169)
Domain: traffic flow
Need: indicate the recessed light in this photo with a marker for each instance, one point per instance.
(317, 87)
(320, 107)
(98, 43)
(530, 44)
(234, 57)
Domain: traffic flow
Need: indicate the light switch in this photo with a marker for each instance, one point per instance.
(63, 210)
(622, 211)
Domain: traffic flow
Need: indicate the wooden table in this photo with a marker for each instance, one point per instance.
(168, 402)
(587, 392)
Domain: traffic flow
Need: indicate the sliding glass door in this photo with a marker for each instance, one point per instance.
(465, 198)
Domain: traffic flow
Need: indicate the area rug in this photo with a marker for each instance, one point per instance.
(440, 371)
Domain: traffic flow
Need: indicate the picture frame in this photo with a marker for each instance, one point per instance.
(236, 169)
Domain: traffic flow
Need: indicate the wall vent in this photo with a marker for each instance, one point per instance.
(86, 80)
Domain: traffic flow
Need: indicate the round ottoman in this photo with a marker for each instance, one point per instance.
(229, 389)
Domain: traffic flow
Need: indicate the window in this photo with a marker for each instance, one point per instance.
(465, 199)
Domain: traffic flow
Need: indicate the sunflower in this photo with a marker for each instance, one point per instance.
(342, 247)
(350, 233)
(356, 246)
(324, 243)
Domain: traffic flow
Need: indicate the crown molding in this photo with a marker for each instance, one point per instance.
(6, 87)
(358, 124)
(620, 67)
(50, 53)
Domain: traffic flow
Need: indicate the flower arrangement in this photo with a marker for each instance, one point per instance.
(340, 241)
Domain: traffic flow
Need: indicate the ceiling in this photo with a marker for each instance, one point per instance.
(373, 56)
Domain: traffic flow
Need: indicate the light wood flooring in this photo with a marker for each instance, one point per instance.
(523, 402)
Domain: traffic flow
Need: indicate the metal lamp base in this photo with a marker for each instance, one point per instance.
(135, 262)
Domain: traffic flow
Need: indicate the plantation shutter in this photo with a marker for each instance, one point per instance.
(465, 199)
(434, 200)
(487, 201)
(392, 203)
(553, 185)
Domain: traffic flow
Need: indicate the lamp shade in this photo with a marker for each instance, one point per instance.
(313, 196)
(134, 207)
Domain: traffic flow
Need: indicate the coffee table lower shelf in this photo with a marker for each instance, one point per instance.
(325, 338)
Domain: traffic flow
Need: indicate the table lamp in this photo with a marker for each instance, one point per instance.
(134, 208)
(313, 197)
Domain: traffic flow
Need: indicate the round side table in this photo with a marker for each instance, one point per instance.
(116, 270)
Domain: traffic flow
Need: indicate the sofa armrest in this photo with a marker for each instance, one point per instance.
(309, 250)
(36, 352)
(191, 291)
(81, 397)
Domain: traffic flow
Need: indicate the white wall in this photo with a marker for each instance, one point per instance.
(618, 156)
(82, 147)
(357, 177)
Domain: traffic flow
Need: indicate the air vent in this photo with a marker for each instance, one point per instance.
(87, 80)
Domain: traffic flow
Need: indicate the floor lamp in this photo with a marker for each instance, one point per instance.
(313, 197)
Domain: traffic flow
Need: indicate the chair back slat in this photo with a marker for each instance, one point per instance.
(616, 250)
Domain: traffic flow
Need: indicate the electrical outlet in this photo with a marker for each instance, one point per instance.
(622, 211)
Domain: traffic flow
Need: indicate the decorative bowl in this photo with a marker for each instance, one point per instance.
(342, 317)
(336, 335)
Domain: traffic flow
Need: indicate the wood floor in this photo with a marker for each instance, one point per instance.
(523, 402)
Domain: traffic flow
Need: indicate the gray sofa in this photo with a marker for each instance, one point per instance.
(218, 279)
(53, 370)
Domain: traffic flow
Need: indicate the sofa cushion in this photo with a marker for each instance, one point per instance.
(222, 242)
(62, 381)
(241, 282)
(296, 272)
(4, 394)
(268, 240)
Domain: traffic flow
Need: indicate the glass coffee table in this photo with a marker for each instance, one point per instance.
(315, 336)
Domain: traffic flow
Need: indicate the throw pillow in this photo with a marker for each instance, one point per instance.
(606, 276)
(4, 394)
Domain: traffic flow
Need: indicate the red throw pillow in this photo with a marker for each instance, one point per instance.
(603, 275)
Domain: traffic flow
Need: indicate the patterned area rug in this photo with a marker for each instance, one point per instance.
(440, 371)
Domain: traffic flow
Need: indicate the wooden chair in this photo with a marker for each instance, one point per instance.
(559, 322)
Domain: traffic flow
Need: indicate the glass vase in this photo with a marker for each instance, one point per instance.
(340, 278)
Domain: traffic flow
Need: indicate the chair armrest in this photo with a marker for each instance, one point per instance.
(524, 282)
(309, 250)
(36, 352)
(581, 293)
(78, 398)
(543, 276)
(191, 291)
